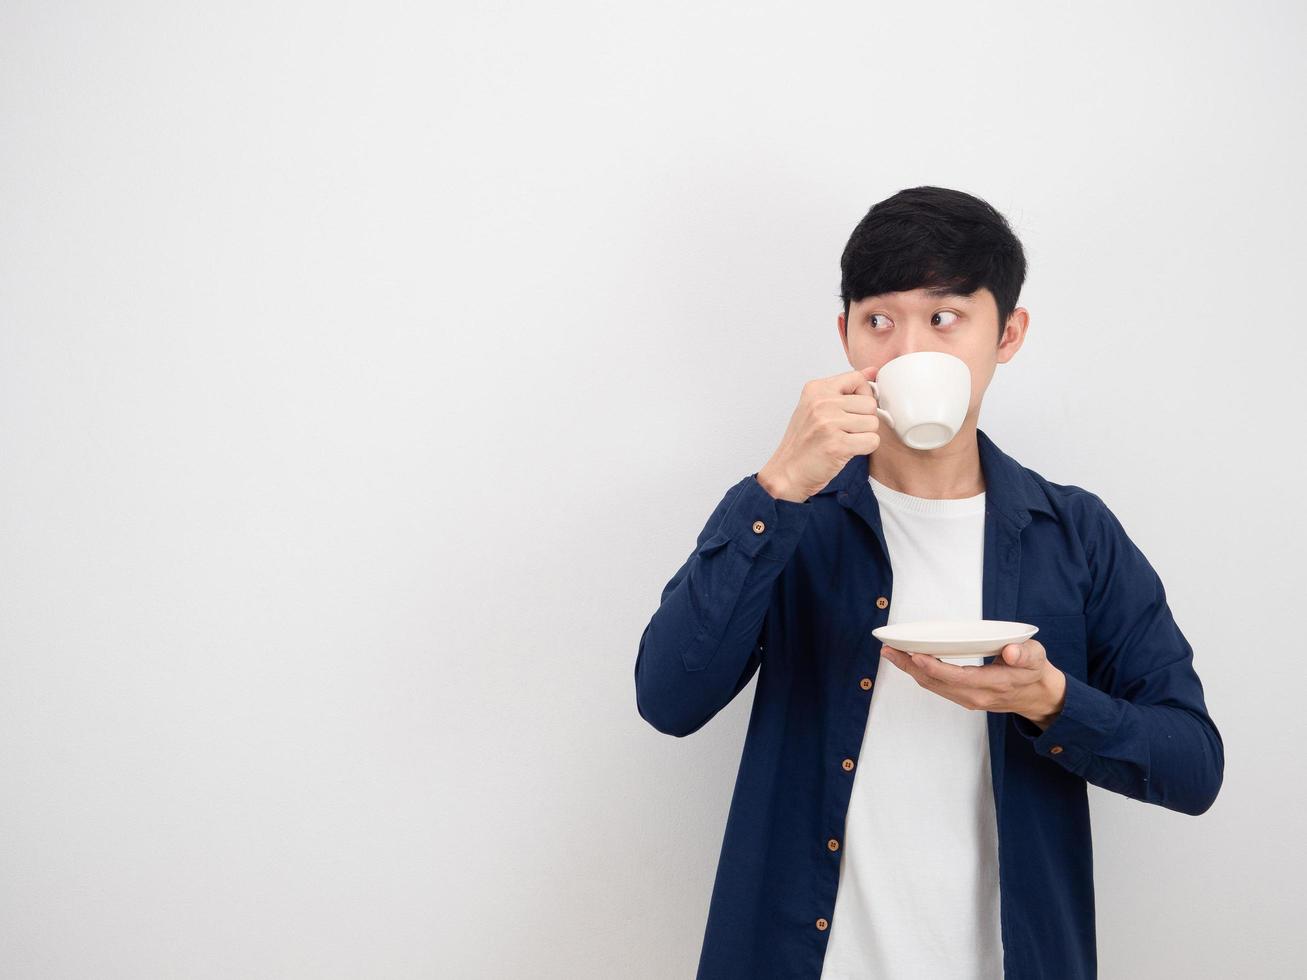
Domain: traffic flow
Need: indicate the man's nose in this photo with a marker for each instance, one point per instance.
(911, 343)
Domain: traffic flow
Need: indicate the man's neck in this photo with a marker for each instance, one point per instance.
(950, 472)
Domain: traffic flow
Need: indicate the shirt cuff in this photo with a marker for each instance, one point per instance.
(763, 525)
(1089, 720)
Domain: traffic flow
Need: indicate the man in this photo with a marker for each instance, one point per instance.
(923, 818)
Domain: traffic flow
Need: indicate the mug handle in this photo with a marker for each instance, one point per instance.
(880, 412)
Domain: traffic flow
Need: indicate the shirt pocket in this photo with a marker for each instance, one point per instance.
(1063, 636)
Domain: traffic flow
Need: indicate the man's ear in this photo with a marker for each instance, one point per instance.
(1014, 334)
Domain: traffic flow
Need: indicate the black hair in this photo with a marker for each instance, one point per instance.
(933, 238)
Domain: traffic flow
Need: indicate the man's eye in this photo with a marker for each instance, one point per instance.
(871, 320)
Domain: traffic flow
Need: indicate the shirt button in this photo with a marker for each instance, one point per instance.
(832, 845)
(1056, 749)
(822, 924)
(759, 527)
(848, 765)
(865, 683)
(882, 602)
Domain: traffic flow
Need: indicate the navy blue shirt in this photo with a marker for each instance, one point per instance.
(791, 591)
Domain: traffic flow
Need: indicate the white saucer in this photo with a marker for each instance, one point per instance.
(955, 638)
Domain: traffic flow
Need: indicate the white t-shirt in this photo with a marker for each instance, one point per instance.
(918, 894)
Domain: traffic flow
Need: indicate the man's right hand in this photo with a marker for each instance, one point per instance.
(834, 421)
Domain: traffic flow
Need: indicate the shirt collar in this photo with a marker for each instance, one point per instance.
(1009, 486)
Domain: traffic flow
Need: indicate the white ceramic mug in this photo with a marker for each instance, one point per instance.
(923, 397)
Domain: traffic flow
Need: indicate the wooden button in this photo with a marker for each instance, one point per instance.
(832, 845)
(822, 924)
(882, 602)
(1056, 749)
(848, 765)
(865, 683)
(759, 527)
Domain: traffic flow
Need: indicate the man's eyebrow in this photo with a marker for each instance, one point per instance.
(934, 292)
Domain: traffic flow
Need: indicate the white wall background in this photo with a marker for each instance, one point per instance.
(367, 369)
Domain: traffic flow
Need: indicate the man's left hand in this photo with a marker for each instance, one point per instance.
(1020, 679)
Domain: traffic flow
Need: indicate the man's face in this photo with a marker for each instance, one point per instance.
(881, 328)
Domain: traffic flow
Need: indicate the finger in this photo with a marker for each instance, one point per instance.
(895, 656)
(855, 422)
(863, 404)
(937, 669)
(944, 672)
(912, 662)
(1027, 654)
(855, 382)
(924, 669)
(916, 664)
